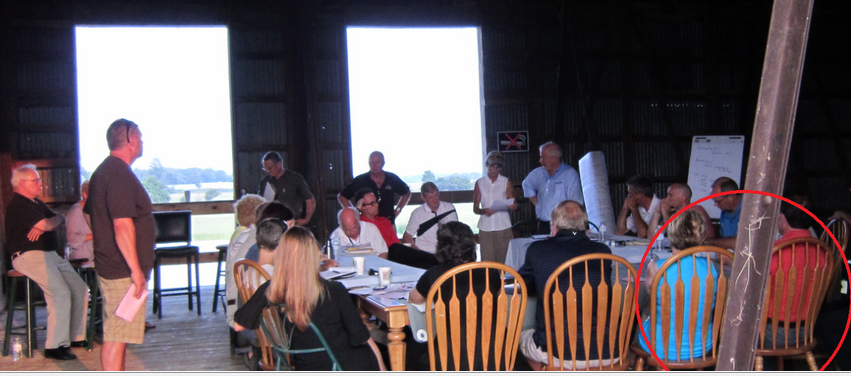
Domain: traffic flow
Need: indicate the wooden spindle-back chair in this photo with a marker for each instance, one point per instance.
(779, 303)
(497, 324)
(839, 228)
(613, 309)
(248, 276)
(714, 301)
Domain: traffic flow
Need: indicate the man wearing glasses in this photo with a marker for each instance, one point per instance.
(32, 240)
(289, 188)
(731, 207)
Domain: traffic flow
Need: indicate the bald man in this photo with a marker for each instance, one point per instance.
(353, 232)
(679, 196)
(731, 209)
(385, 185)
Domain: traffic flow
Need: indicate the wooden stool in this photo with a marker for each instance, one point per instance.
(95, 321)
(28, 305)
(219, 290)
(175, 227)
(191, 255)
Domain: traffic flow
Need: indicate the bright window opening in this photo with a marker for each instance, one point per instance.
(173, 82)
(416, 96)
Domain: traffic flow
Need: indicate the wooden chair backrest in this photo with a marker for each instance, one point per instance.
(248, 276)
(615, 311)
(446, 321)
(814, 277)
(715, 294)
(839, 228)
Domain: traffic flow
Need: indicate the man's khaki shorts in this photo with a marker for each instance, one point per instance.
(115, 329)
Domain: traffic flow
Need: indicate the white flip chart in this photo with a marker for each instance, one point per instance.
(711, 158)
(595, 187)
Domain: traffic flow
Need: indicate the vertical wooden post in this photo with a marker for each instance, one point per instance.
(772, 137)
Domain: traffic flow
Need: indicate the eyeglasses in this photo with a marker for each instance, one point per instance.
(33, 180)
(369, 203)
(495, 165)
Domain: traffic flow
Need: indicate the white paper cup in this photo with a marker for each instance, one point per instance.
(358, 264)
(384, 275)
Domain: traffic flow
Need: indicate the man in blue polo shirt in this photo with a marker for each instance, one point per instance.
(550, 184)
(731, 208)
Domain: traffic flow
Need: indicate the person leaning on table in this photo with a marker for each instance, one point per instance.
(310, 298)
(550, 184)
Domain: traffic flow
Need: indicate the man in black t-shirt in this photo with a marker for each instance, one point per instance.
(384, 184)
(289, 187)
(124, 233)
(31, 239)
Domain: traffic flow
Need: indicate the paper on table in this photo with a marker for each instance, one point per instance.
(501, 205)
(129, 305)
(269, 192)
(342, 269)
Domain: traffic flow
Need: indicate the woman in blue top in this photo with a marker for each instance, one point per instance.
(686, 231)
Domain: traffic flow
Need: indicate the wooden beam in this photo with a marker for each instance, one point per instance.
(210, 207)
(772, 138)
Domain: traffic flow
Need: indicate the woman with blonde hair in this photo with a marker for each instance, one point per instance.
(310, 298)
(686, 231)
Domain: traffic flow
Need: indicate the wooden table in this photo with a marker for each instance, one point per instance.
(396, 318)
(394, 314)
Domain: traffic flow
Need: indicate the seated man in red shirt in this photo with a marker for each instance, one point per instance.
(792, 224)
(367, 204)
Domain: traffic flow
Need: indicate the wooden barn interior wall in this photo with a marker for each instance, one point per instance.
(635, 79)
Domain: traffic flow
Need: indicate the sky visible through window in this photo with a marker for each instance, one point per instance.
(174, 83)
(415, 96)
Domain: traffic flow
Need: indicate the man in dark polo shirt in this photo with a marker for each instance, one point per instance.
(31, 239)
(124, 233)
(385, 185)
(289, 187)
(568, 225)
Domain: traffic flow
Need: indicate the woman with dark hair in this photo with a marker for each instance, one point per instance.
(456, 246)
(310, 298)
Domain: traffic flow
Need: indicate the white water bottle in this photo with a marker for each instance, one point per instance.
(602, 231)
(17, 348)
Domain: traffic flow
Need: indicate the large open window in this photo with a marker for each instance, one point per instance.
(173, 82)
(416, 96)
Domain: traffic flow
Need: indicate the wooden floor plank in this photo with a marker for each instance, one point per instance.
(182, 341)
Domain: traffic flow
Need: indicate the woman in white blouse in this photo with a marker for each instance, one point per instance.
(494, 226)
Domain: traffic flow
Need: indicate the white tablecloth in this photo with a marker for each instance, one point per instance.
(516, 255)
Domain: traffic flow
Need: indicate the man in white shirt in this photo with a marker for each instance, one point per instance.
(638, 208)
(354, 232)
(423, 225)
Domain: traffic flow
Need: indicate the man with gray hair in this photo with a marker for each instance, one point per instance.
(569, 222)
(550, 184)
(124, 234)
(354, 232)
(31, 239)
